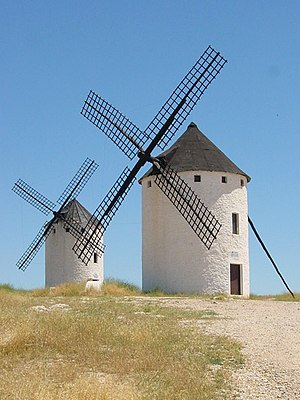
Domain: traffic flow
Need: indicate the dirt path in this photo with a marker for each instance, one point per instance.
(270, 334)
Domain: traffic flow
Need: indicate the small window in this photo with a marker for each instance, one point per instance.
(95, 258)
(224, 179)
(54, 230)
(242, 182)
(67, 229)
(197, 178)
(149, 184)
(235, 223)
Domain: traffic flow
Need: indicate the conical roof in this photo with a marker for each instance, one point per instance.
(75, 211)
(193, 151)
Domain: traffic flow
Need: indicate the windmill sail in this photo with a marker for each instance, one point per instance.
(192, 209)
(113, 123)
(78, 182)
(35, 246)
(188, 92)
(103, 215)
(77, 231)
(33, 197)
(159, 132)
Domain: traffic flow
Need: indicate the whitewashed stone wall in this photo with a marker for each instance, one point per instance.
(174, 259)
(63, 265)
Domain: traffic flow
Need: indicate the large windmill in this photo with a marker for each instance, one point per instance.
(46, 206)
(132, 141)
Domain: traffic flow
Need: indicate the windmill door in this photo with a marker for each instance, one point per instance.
(235, 279)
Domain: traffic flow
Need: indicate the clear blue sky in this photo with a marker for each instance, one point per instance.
(134, 53)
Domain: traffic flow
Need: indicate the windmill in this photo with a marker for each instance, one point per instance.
(131, 140)
(46, 206)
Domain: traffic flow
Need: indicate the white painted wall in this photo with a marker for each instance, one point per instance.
(174, 258)
(62, 264)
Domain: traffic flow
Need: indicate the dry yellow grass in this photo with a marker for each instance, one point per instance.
(109, 288)
(106, 347)
(278, 297)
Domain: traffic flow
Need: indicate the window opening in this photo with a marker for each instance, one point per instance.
(149, 184)
(235, 224)
(242, 182)
(197, 178)
(95, 258)
(224, 179)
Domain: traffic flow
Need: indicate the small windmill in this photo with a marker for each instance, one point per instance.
(130, 139)
(46, 206)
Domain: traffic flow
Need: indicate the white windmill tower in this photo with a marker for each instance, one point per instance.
(61, 263)
(174, 260)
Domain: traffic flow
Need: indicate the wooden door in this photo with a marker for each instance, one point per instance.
(235, 279)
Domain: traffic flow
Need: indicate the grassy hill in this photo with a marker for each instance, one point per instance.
(64, 344)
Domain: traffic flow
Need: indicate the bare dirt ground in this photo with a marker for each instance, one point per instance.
(270, 335)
